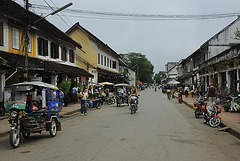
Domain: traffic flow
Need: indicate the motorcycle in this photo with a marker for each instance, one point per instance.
(109, 100)
(211, 116)
(94, 103)
(235, 104)
(180, 97)
(199, 106)
(133, 104)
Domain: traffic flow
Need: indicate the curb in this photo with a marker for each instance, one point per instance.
(230, 130)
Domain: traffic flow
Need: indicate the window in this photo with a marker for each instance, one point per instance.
(99, 58)
(71, 56)
(42, 47)
(105, 61)
(1, 34)
(114, 65)
(110, 63)
(15, 38)
(29, 43)
(54, 50)
(63, 53)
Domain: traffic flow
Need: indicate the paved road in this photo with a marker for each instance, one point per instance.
(162, 130)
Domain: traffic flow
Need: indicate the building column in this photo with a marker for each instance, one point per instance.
(54, 79)
(238, 80)
(2, 85)
(228, 81)
(64, 77)
(219, 80)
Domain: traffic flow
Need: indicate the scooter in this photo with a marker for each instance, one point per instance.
(211, 116)
(199, 106)
(235, 105)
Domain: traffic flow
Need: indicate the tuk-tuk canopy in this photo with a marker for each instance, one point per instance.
(40, 84)
(122, 84)
(106, 83)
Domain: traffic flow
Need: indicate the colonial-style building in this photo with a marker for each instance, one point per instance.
(51, 53)
(96, 56)
(216, 61)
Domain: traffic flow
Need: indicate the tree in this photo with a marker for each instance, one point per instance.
(140, 64)
(159, 76)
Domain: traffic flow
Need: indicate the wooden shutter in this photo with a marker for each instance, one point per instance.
(45, 47)
(1, 34)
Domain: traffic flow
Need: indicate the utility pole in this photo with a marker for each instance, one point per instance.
(26, 42)
(26, 38)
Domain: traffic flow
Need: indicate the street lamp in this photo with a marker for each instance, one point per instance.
(28, 26)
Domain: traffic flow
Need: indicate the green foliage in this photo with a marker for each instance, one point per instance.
(159, 76)
(140, 64)
(65, 86)
(226, 106)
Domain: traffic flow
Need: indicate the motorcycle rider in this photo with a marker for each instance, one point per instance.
(134, 94)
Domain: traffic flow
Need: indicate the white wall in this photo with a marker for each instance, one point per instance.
(226, 37)
(108, 55)
(5, 35)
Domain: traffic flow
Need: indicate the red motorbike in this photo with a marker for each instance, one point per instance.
(211, 116)
(200, 107)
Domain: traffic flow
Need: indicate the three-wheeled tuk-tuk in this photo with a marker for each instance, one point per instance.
(122, 94)
(32, 108)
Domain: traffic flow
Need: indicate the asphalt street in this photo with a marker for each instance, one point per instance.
(161, 130)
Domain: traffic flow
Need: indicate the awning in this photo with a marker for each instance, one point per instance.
(4, 64)
(105, 71)
(37, 64)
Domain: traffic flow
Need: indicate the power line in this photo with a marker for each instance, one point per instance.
(132, 16)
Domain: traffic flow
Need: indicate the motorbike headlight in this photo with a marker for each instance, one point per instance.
(14, 114)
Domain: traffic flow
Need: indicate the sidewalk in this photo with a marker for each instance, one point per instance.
(67, 111)
(229, 119)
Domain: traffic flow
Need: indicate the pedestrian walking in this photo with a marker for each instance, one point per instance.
(61, 96)
(211, 94)
(84, 96)
(186, 90)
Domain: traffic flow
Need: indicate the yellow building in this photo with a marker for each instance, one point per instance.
(87, 56)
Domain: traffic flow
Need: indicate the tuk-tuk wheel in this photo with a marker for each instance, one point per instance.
(53, 129)
(14, 138)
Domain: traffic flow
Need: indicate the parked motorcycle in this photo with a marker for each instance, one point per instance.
(199, 106)
(109, 100)
(235, 104)
(211, 116)
(133, 104)
(94, 103)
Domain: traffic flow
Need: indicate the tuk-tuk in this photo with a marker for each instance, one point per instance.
(122, 93)
(32, 108)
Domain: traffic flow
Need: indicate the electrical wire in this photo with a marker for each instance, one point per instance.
(132, 16)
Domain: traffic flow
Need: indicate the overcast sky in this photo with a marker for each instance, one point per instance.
(161, 41)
